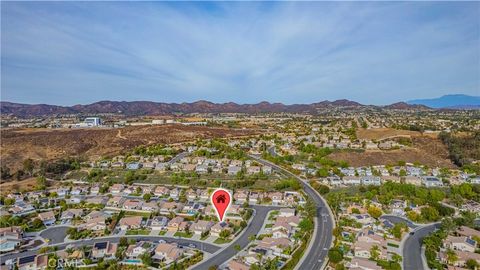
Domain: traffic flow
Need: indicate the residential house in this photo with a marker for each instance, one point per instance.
(161, 191)
(276, 197)
(430, 181)
(236, 265)
(48, 218)
(133, 222)
(461, 243)
(363, 264)
(276, 245)
(174, 224)
(240, 196)
(105, 250)
(158, 223)
(94, 224)
(286, 212)
(150, 206)
(10, 238)
(167, 252)
(70, 214)
(201, 226)
(138, 249)
(130, 204)
(33, 262)
(116, 188)
(216, 229)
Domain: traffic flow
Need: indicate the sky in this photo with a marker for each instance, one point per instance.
(68, 53)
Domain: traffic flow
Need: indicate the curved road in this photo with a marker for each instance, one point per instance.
(412, 246)
(56, 234)
(324, 224)
(252, 229)
(221, 254)
(181, 241)
(313, 260)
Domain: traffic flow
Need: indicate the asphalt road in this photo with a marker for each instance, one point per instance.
(397, 219)
(412, 247)
(178, 157)
(412, 252)
(324, 225)
(56, 234)
(185, 242)
(252, 229)
(271, 151)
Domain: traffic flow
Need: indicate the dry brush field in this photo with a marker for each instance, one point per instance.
(50, 144)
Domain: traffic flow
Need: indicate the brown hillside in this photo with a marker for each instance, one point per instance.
(383, 133)
(48, 144)
(425, 150)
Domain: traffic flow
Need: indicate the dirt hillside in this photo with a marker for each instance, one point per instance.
(425, 150)
(49, 144)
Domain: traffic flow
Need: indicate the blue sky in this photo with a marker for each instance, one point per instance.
(292, 52)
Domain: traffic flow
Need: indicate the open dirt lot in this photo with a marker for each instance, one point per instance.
(49, 144)
(384, 133)
(425, 150)
(28, 184)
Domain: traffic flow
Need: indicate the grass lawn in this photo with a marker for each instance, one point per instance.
(204, 237)
(162, 233)
(183, 234)
(137, 232)
(392, 245)
(273, 214)
(222, 241)
(270, 225)
(35, 230)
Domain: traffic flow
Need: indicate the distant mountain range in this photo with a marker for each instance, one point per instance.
(158, 108)
(450, 101)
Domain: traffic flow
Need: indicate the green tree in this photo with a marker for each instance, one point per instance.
(28, 166)
(375, 252)
(374, 211)
(224, 234)
(472, 264)
(123, 241)
(37, 223)
(448, 225)
(41, 183)
(305, 225)
(335, 255)
(146, 259)
(429, 213)
(452, 257)
(396, 258)
(398, 229)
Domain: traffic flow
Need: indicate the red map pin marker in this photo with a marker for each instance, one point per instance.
(221, 200)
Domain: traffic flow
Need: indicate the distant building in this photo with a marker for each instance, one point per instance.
(89, 122)
(93, 121)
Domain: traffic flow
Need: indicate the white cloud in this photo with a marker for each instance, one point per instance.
(70, 53)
